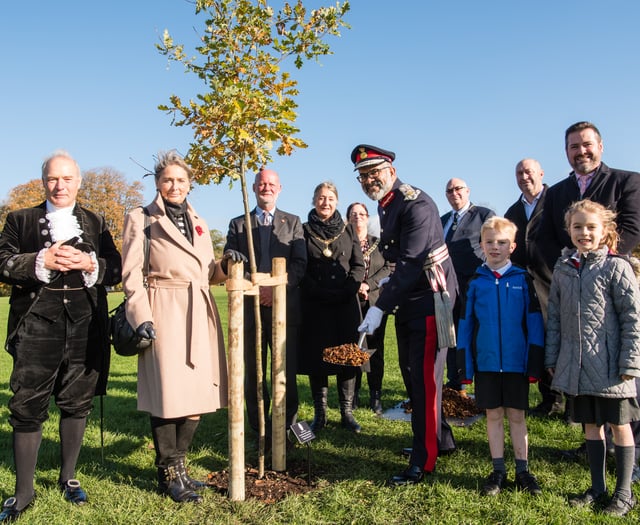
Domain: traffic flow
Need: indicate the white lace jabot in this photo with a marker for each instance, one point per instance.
(63, 224)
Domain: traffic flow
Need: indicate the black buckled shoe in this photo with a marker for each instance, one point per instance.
(587, 498)
(73, 492)
(620, 505)
(10, 511)
(410, 476)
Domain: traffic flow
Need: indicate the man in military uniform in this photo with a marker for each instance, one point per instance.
(58, 257)
(420, 293)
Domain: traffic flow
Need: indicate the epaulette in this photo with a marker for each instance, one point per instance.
(410, 193)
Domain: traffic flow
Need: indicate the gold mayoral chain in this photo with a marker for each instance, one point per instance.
(327, 252)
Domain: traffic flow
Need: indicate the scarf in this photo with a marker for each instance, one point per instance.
(179, 216)
(328, 229)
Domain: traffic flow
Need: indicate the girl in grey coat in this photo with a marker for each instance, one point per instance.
(593, 345)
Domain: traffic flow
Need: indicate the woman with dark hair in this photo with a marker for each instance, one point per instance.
(330, 308)
(376, 269)
(184, 373)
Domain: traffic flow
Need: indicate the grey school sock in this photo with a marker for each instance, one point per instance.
(625, 457)
(596, 452)
(498, 464)
(522, 465)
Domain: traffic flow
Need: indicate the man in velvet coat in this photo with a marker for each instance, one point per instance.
(275, 234)
(58, 257)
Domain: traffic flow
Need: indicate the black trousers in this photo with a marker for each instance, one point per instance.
(250, 385)
(417, 338)
(59, 358)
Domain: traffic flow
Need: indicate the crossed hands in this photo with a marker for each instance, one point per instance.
(64, 258)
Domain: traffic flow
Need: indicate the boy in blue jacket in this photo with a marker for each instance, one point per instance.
(501, 343)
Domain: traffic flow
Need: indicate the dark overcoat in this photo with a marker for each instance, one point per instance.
(330, 307)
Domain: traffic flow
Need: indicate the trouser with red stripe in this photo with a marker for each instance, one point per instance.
(418, 339)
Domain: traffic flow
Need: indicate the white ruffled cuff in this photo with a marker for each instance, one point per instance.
(91, 278)
(42, 273)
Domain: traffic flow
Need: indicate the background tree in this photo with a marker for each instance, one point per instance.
(249, 105)
(104, 191)
(218, 240)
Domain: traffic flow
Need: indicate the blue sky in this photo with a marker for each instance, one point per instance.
(456, 88)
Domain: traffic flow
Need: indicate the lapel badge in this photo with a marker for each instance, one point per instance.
(410, 193)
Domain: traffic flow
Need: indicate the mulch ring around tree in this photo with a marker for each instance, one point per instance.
(460, 410)
(273, 487)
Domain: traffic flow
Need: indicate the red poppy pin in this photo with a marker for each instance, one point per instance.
(199, 230)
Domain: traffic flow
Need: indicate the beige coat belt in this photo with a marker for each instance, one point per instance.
(195, 344)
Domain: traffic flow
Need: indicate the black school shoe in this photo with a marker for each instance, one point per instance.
(528, 482)
(412, 475)
(620, 505)
(588, 498)
(494, 483)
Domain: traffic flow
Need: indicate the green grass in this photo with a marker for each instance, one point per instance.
(351, 470)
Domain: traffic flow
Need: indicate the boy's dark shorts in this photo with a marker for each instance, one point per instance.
(501, 389)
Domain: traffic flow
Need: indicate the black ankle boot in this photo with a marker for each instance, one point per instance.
(171, 483)
(375, 403)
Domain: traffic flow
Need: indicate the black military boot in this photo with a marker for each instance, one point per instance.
(171, 471)
(185, 430)
(171, 482)
(346, 390)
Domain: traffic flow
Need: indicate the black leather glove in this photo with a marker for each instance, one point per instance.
(146, 330)
(234, 255)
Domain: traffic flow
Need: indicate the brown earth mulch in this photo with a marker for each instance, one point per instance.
(273, 487)
(458, 406)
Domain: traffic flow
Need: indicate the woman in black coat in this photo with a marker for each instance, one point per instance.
(376, 269)
(330, 310)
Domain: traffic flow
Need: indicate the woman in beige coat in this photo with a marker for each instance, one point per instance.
(184, 373)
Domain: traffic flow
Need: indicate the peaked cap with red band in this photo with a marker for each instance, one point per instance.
(365, 155)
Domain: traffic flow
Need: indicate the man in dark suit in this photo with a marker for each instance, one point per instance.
(461, 228)
(617, 189)
(526, 214)
(592, 179)
(275, 234)
(58, 257)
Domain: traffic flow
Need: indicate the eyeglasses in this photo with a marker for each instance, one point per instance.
(355, 214)
(456, 189)
(370, 174)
